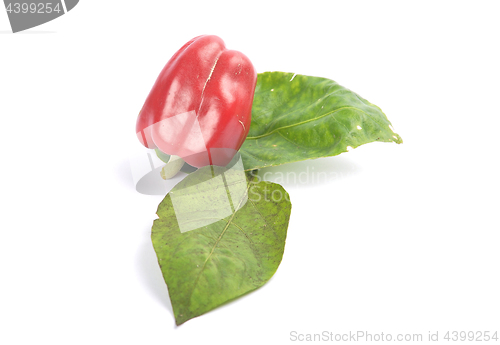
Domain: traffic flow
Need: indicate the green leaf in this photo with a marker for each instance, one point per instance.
(297, 117)
(218, 237)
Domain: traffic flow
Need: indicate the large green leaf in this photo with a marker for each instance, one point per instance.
(297, 117)
(218, 237)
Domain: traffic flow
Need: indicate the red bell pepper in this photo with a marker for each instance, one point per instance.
(200, 106)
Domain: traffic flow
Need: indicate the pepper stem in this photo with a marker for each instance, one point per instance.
(173, 166)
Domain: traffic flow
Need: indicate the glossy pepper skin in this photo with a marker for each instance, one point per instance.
(200, 106)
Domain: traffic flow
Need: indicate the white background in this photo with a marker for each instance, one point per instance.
(401, 238)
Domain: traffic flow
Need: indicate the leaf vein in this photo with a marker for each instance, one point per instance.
(300, 123)
(216, 244)
(317, 103)
(291, 141)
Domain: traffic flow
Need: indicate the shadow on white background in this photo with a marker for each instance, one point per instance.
(310, 173)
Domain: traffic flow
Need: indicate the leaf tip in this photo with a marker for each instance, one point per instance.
(397, 139)
(396, 136)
